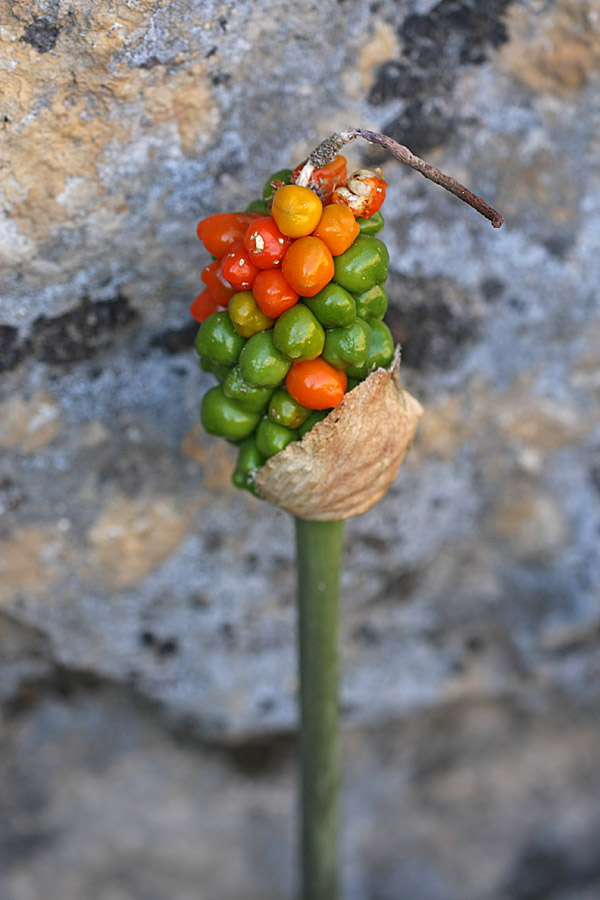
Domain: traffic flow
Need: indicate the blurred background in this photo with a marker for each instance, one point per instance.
(147, 643)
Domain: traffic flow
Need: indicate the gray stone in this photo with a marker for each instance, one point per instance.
(147, 623)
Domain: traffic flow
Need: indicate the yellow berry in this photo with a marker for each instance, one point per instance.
(246, 315)
(296, 210)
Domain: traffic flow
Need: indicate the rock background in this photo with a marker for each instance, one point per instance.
(147, 673)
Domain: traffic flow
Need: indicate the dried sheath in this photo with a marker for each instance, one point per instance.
(345, 464)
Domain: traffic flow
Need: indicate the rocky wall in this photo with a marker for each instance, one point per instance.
(147, 660)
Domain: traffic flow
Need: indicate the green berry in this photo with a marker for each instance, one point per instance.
(225, 417)
(372, 225)
(218, 340)
(214, 368)
(285, 411)
(334, 307)
(381, 353)
(249, 396)
(271, 438)
(249, 460)
(298, 334)
(261, 362)
(249, 456)
(345, 347)
(239, 479)
(362, 265)
(284, 175)
(258, 206)
(371, 304)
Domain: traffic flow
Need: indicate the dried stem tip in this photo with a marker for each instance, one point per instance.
(328, 148)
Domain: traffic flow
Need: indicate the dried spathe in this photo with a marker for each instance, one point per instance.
(345, 464)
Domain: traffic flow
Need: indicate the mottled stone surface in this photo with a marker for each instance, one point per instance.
(147, 668)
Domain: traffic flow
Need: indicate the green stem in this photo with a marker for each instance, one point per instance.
(319, 550)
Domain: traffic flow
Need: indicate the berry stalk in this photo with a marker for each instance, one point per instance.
(319, 552)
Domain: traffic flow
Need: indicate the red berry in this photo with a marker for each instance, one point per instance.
(214, 281)
(265, 243)
(220, 232)
(204, 306)
(238, 269)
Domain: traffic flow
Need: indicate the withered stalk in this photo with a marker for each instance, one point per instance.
(328, 148)
(319, 548)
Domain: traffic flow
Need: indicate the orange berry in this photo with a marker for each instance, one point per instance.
(296, 210)
(337, 228)
(316, 384)
(308, 266)
(272, 293)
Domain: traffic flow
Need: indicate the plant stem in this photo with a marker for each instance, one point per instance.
(319, 554)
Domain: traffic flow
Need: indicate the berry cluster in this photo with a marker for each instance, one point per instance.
(292, 308)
